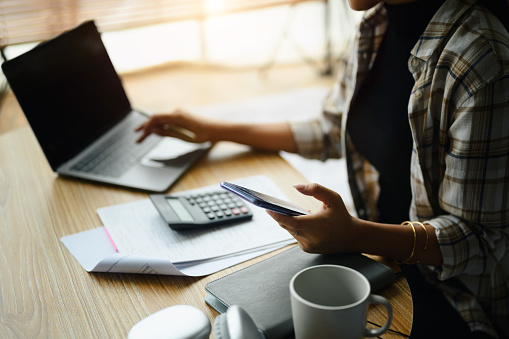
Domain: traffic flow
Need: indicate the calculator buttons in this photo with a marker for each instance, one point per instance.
(183, 212)
(223, 204)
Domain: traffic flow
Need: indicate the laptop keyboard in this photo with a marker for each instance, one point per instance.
(116, 155)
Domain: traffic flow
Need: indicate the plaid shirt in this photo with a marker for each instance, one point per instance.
(459, 118)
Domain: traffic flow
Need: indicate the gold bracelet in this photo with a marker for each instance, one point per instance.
(426, 231)
(411, 223)
(413, 246)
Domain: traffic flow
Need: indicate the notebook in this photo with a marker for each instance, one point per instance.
(262, 289)
(81, 116)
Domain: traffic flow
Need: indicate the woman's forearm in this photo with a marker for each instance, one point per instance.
(397, 242)
(271, 136)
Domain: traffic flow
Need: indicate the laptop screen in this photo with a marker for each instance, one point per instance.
(69, 91)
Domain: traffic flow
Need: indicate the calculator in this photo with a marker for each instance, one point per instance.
(200, 210)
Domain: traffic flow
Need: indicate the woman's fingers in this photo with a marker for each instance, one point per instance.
(165, 125)
(319, 192)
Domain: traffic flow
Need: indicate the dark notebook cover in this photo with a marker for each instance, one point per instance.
(262, 289)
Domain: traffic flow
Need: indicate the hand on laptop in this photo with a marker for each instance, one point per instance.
(178, 124)
(272, 136)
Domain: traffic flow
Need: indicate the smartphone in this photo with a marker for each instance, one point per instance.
(265, 201)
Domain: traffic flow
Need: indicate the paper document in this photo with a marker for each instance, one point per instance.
(147, 245)
(94, 252)
(137, 228)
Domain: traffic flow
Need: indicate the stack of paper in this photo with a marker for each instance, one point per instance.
(146, 244)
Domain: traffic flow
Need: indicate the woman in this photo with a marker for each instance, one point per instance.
(420, 111)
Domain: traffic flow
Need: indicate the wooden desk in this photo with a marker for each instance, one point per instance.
(44, 292)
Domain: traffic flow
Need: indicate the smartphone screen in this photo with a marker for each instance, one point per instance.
(265, 201)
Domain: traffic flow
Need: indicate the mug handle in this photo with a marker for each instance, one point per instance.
(376, 299)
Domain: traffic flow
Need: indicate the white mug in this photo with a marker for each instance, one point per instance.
(330, 301)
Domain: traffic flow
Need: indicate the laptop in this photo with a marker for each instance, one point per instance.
(79, 112)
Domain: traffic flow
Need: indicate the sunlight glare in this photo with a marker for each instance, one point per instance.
(214, 6)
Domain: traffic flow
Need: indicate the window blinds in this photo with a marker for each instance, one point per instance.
(34, 20)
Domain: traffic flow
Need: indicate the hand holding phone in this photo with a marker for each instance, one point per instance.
(265, 201)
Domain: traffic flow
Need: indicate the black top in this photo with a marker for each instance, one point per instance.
(378, 118)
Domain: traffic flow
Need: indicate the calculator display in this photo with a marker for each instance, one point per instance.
(179, 209)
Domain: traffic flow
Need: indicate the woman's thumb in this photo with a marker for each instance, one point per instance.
(317, 191)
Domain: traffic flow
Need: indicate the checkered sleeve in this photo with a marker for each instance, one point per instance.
(475, 187)
(322, 138)
(308, 137)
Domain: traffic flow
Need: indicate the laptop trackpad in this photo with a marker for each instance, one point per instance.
(171, 148)
(151, 163)
(150, 173)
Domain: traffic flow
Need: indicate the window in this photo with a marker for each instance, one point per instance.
(141, 33)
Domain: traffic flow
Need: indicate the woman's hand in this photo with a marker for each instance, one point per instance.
(188, 127)
(178, 124)
(331, 230)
